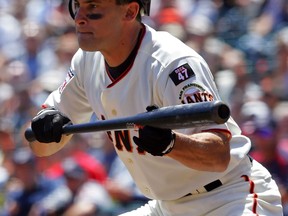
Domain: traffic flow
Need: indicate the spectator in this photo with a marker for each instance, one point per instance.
(122, 188)
(80, 151)
(232, 21)
(29, 192)
(259, 47)
(170, 19)
(10, 30)
(87, 194)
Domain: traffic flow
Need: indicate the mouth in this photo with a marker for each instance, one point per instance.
(84, 33)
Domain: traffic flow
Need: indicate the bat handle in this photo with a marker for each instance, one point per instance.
(29, 135)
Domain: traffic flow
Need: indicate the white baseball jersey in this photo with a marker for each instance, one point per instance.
(164, 72)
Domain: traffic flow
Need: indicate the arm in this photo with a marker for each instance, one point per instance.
(47, 127)
(206, 151)
(46, 149)
(205, 148)
(203, 151)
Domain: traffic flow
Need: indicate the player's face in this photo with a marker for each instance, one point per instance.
(98, 23)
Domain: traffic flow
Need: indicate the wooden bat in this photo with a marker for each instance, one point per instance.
(173, 117)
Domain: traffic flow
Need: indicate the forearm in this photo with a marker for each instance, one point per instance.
(47, 149)
(207, 151)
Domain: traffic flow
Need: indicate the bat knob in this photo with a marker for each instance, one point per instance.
(29, 135)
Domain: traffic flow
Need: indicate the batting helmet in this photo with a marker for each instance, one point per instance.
(145, 6)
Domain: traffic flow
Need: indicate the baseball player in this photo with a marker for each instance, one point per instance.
(125, 67)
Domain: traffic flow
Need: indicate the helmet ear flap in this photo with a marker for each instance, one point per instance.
(146, 5)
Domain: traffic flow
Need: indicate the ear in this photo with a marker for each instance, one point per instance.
(132, 11)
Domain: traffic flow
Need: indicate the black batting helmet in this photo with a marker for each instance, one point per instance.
(145, 6)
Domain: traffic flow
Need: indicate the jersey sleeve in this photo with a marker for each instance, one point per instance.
(189, 80)
(70, 97)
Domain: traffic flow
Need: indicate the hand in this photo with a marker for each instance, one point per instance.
(156, 141)
(47, 125)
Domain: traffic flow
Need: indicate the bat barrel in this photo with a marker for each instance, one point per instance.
(190, 115)
(222, 112)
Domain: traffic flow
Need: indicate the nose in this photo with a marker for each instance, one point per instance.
(80, 18)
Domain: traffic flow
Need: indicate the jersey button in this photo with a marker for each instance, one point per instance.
(147, 190)
(114, 112)
(130, 161)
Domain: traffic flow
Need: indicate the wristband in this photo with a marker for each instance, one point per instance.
(171, 145)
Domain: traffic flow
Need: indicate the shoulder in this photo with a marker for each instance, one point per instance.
(165, 48)
(82, 57)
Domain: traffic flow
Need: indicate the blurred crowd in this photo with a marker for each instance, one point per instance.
(245, 43)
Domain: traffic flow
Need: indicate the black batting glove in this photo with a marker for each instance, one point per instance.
(156, 141)
(47, 125)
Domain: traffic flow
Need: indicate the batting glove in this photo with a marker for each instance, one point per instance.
(156, 141)
(47, 125)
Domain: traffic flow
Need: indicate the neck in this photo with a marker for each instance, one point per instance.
(123, 47)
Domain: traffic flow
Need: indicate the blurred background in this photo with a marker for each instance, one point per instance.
(245, 43)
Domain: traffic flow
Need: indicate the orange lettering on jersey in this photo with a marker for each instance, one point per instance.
(194, 93)
(198, 97)
(109, 134)
(122, 138)
(188, 100)
(141, 151)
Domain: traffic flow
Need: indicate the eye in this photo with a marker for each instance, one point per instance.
(93, 6)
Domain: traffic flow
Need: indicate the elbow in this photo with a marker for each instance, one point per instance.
(218, 163)
(222, 163)
(222, 158)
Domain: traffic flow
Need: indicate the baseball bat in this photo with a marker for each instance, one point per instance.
(173, 117)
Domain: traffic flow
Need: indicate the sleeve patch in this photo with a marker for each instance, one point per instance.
(181, 74)
(69, 76)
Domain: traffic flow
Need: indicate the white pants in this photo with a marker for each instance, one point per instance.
(255, 193)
